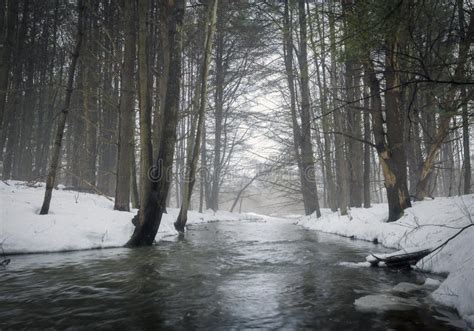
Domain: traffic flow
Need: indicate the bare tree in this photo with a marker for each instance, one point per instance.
(63, 114)
(153, 207)
(449, 111)
(127, 112)
(194, 149)
(8, 19)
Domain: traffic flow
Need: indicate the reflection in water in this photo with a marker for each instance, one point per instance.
(221, 275)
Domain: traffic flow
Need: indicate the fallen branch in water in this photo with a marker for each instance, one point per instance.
(404, 259)
(398, 259)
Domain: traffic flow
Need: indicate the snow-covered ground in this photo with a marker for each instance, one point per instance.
(76, 220)
(83, 221)
(426, 225)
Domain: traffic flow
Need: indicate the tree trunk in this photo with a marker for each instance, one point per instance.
(367, 147)
(76, 126)
(91, 107)
(134, 183)
(218, 115)
(414, 152)
(6, 47)
(153, 208)
(126, 111)
(308, 176)
(63, 114)
(13, 118)
(397, 193)
(41, 127)
(194, 157)
(164, 61)
(89, 115)
(448, 167)
(326, 121)
(397, 187)
(146, 156)
(355, 150)
(342, 170)
(24, 156)
(51, 96)
(288, 54)
(109, 109)
(466, 149)
(466, 40)
(241, 191)
(204, 172)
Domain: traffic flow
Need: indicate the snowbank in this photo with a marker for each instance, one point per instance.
(76, 220)
(426, 225)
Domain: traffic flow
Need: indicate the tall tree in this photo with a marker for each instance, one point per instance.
(9, 12)
(64, 112)
(13, 120)
(194, 149)
(323, 100)
(449, 107)
(301, 133)
(108, 99)
(308, 184)
(146, 152)
(24, 153)
(395, 182)
(342, 169)
(367, 147)
(90, 80)
(466, 147)
(155, 204)
(220, 69)
(126, 111)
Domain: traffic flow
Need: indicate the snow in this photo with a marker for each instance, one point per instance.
(355, 264)
(426, 225)
(77, 220)
(430, 282)
(404, 287)
(380, 303)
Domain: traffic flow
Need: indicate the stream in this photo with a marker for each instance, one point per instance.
(223, 275)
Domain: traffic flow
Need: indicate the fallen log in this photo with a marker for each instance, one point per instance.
(399, 260)
(408, 257)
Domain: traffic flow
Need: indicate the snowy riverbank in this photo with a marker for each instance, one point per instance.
(76, 220)
(426, 225)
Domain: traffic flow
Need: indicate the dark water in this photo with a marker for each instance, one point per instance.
(237, 275)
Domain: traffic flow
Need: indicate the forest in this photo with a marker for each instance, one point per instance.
(367, 97)
(175, 108)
